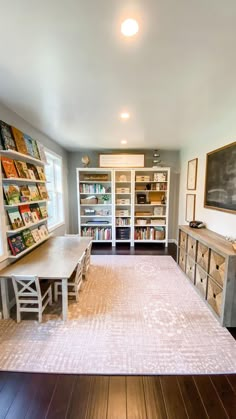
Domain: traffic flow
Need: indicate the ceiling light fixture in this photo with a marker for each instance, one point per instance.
(123, 142)
(129, 27)
(125, 115)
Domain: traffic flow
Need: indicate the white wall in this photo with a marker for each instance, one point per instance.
(13, 119)
(221, 222)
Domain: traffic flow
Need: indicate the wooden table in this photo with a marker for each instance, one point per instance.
(55, 259)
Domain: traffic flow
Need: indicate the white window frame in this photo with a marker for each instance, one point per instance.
(55, 156)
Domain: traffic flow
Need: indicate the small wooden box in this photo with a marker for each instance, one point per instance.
(123, 202)
(122, 213)
(214, 296)
(217, 267)
(122, 190)
(201, 280)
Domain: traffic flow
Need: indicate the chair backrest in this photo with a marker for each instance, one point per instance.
(26, 286)
(79, 270)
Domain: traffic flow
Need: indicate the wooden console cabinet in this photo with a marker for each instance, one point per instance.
(209, 262)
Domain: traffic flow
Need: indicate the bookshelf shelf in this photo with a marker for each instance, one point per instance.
(22, 180)
(15, 155)
(17, 230)
(30, 248)
(25, 203)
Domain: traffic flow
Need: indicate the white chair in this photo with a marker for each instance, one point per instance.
(74, 283)
(31, 295)
(87, 260)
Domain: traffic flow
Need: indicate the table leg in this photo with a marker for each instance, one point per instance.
(5, 299)
(64, 287)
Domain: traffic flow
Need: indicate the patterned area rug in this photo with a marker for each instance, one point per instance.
(136, 315)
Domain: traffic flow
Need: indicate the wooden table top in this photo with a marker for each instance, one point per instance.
(54, 259)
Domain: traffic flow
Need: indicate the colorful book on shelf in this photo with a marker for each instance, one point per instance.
(42, 152)
(43, 231)
(9, 168)
(33, 173)
(43, 191)
(15, 218)
(34, 193)
(26, 214)
(41, 173)
(43, 209)
(19, 140)
(35, 211)
(8, 141)
(28, 238)
(22, 169)
(16, 244)
(29, 145)
(35, 234)
(35, 149)
(25, 195)
(12, 194)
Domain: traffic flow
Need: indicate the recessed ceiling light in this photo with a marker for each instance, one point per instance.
(129, 27)
(125, 115)
(123, 142)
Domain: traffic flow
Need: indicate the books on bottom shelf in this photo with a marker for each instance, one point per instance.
(149, 233)
(98, 233)
(26, 239)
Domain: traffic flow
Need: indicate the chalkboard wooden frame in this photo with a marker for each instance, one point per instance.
(220, 179)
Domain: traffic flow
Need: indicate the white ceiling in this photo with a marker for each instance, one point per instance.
(65, 68)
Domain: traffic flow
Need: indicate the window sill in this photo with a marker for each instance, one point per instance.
(55, 226)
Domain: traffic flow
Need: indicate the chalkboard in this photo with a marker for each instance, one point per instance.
(220, 182)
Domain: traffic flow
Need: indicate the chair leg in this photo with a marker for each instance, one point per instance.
(40, 316)
(18, 314)
(56, 292)
(50, 296)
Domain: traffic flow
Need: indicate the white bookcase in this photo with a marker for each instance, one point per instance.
(136, 209)
(8, 231)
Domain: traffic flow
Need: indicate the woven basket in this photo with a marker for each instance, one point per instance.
(87, 201)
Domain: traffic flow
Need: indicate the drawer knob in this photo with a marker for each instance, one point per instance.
(201, 280)
(214, 295)
(202, 255)
(192, 246)
(217, 267)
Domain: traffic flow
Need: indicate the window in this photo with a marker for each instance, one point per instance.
(53, 172)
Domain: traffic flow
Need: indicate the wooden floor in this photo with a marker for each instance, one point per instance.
(58, 396)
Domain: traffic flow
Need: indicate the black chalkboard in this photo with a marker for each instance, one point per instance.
(220, 183)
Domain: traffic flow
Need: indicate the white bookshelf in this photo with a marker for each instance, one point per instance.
(131, 220)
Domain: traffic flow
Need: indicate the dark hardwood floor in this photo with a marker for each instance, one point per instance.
(58, 396)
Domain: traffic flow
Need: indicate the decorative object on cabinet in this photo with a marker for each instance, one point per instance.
(190, 207)
(192, 174)
(220, 180)
(209, 262)
(85, 160)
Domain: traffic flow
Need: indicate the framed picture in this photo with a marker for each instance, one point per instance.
(192, 175)
(220, 180)
(190, 207)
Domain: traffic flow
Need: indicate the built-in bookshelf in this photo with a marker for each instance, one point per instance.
(95, 204)
(135, 210)
(23, 192)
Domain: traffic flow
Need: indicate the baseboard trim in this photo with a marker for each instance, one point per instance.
(173, 241)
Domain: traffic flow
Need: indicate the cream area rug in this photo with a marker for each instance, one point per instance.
(136, 315)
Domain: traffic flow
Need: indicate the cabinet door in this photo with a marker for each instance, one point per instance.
(192, 247)
(201, 280)
(190, 268)
(217, 267)
(182, 240)
(203, 256)
(214, 296)
(182, 259)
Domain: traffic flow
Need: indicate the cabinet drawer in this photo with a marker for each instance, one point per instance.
(190, 268)
(182, 259)
(201, 280)
(191, 247)
(217, 267)
(214, 296)
(182, 239)
(203, 256)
